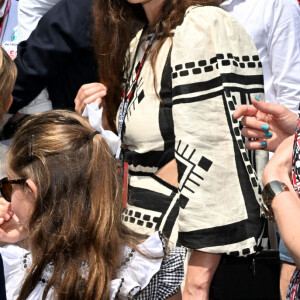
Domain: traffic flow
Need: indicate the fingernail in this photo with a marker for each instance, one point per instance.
(7, 217)
(256, 98)
(11, 213)
(265, 127)
(268, 134)
(1, 220)
(263, 144)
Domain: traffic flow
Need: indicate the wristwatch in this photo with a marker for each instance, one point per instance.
(270, 191)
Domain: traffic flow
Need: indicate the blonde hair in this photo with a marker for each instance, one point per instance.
(77, 214)
(8, 74)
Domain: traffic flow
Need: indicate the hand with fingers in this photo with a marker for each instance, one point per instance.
(6, 211)
(11, 231)
(89, 93)
(269, 124)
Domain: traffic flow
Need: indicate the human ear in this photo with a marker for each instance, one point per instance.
(33, 187)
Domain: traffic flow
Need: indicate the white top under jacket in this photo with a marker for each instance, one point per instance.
(138, 277)
(274, 26)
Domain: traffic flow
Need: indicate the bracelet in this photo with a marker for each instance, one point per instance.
(270, 191)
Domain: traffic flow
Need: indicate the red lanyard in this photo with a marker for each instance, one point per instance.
(8, 4)
(127, 94)
(126, 99)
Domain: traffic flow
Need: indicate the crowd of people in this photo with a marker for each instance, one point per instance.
(136, 153)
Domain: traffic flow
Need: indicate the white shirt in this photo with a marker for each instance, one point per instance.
(29, 14)
(274, 26)
(134, 275)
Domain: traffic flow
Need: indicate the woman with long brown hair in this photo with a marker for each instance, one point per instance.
(182, 77)
(65, 194)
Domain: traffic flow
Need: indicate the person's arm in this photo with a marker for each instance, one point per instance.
(59, 39)
(286, 205)
(29, 14)
(284, 52)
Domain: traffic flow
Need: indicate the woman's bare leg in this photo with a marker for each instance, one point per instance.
(201, 269)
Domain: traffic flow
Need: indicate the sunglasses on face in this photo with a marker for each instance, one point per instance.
(6, 187)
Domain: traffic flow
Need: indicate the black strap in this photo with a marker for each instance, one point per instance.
(2, 281)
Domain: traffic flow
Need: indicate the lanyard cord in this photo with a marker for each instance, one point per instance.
(127, 94)
(7, 8)
(126, 99)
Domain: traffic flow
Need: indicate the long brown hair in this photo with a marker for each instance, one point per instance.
(115, 26)
(8, 74)
(77, 214)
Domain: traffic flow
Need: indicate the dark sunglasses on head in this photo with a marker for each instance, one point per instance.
(6, 187)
